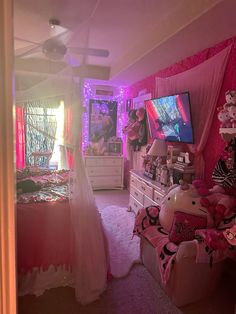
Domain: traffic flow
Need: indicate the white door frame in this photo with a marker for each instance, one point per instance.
(7, 179)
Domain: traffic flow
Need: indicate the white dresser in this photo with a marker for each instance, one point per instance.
(144, 191)
(105, 172)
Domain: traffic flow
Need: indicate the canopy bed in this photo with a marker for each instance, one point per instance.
(43, 230)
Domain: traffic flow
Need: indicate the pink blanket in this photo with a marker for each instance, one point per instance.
(147, 225)
(165, 250)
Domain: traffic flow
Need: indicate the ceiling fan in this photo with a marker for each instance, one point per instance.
(55, 49)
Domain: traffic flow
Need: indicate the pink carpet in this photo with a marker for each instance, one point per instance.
(124, 250)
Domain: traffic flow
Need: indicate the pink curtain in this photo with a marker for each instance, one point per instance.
(20, 138)
(203, 83)
(68, 136)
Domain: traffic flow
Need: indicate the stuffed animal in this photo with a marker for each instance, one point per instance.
(232, 115)
(217, 202)
(130, 129)
(136, 130)
(224, 118)
(141, 118)
(230, 97)
(184, 198)
(198, 200)
(230, 235)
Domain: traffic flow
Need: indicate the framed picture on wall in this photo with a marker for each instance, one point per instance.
(102, 119)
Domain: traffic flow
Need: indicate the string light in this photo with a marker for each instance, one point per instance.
(90, 93)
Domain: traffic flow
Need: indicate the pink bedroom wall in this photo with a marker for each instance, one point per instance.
(215, 144)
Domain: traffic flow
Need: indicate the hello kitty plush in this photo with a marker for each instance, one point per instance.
(196, 199)
(184, 198)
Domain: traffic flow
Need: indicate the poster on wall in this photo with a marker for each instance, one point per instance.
(102, 119)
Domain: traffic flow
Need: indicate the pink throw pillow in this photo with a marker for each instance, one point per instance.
(184, 226)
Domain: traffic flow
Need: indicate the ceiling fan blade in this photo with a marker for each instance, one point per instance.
(89, 51)
(26, 40)
(31, 51)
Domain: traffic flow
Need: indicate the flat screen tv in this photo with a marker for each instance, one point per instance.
(169, 118)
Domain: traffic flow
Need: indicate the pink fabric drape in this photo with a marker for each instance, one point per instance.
(68, 136)
(20, 138)
(203, 83)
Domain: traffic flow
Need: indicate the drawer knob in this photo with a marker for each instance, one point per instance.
(135, 205)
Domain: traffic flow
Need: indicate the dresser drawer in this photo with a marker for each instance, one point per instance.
(137, 194)
(103, 171)
(106, 182)
(134, 205)
(113, 161)
(103, 161)
(146, 189)
(157, 197)
(139, 184)
(133, 181)
(148, 202)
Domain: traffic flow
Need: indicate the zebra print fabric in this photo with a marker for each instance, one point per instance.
(223, 176)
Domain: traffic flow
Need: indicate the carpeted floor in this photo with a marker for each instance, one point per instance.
(136, 293)
(124, 249)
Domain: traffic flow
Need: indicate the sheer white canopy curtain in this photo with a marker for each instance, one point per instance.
(203, 83)
(90, 262)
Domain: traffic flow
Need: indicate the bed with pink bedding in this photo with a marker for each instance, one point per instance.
(43, 228)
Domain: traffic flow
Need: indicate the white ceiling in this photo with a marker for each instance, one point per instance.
(142, 36)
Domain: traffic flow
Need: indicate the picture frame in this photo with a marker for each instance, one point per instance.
(102, 119)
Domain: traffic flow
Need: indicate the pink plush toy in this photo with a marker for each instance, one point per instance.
(232, 115)
(224, 118)
(230, 97)
(215, 240)
(230, 235)
(215, 200)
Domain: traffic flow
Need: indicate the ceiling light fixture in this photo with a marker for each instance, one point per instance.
(54, 22)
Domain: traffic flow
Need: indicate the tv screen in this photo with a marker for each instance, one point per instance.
(169, 118)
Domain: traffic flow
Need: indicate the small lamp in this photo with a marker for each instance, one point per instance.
(158, 148)
(157, 151)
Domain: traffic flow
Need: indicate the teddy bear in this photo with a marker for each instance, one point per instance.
(136, 130)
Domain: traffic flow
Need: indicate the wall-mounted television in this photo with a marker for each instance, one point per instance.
(169, 118)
